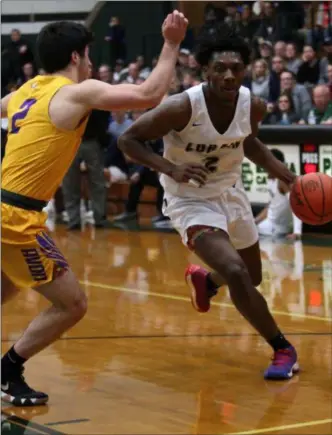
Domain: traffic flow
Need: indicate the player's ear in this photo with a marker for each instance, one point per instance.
(75, 57)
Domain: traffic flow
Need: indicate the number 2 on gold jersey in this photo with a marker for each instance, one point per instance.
(25, 107)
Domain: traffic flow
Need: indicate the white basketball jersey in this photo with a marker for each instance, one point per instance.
(200, 142)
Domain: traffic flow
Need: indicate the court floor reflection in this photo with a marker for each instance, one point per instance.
(143, 361)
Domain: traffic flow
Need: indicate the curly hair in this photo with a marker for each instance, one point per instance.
(223, 38)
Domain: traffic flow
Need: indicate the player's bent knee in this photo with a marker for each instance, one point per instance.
(235, 273)
(78, 307)
(66, 295)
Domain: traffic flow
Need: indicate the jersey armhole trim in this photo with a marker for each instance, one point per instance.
(190, 119)
(64, 130)
(48, 109)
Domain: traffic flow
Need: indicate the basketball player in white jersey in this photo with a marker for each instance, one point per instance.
(207, 131)
(277, 218)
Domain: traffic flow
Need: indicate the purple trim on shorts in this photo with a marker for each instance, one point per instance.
(50, 250)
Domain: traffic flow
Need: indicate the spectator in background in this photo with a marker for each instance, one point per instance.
(132, 75)
(289, 19)
(311, 68)
(90, 153)
(141, 177)
(267, 29)
(260, 82)
(116, 38)
(105, 74)
(326, 60)
(119, 64)
(265, 50)
(211, 17)
(292, 59)
(321, 113)
(327, 48)
(119, 123)
(116, 167)
(284, 114)
(7, 70)
(233, 15)
(278, 66)
(247, 27)
(298, 93)
(19, 52)
(280, 49)
(28, 71)
(144, 70)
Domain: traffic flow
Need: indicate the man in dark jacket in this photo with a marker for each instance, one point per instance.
(91, 153)
(20, 52)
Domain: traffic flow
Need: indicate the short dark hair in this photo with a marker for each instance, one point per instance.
(289, 72)
(57, 41)
(221, 39)
(278, 154)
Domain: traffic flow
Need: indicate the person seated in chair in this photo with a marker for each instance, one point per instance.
(141, 177)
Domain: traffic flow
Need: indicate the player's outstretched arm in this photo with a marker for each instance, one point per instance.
(258, 153)
(173, 114)
(98, 95)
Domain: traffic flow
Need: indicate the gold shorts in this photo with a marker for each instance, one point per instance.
(29, 256)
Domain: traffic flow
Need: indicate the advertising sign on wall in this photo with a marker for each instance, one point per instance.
(325, 159)
(255, 178)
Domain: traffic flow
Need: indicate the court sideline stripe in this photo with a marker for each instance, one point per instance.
(58, 423)
(139, 337)
(285, 427)
(186, 299)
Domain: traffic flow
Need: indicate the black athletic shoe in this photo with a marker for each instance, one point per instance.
(16, 391)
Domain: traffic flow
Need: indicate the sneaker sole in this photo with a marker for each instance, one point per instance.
(294, 370)
(193, 296)
(23, 402)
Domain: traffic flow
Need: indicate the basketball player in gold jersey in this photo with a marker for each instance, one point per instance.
(47, 117)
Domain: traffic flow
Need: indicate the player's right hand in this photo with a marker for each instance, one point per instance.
(185, 172)
(174, 27)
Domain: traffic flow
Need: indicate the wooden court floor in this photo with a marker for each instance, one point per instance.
(144, 362)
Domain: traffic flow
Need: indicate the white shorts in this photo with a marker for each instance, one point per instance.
(231, 212)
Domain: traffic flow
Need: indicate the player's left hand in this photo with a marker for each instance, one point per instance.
(287, 176)
(174, 27)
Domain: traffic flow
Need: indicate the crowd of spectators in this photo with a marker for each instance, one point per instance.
(291, 69)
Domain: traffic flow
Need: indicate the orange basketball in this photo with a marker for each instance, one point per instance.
(311, 198)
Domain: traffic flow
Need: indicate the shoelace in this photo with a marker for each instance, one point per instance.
(280, 357)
